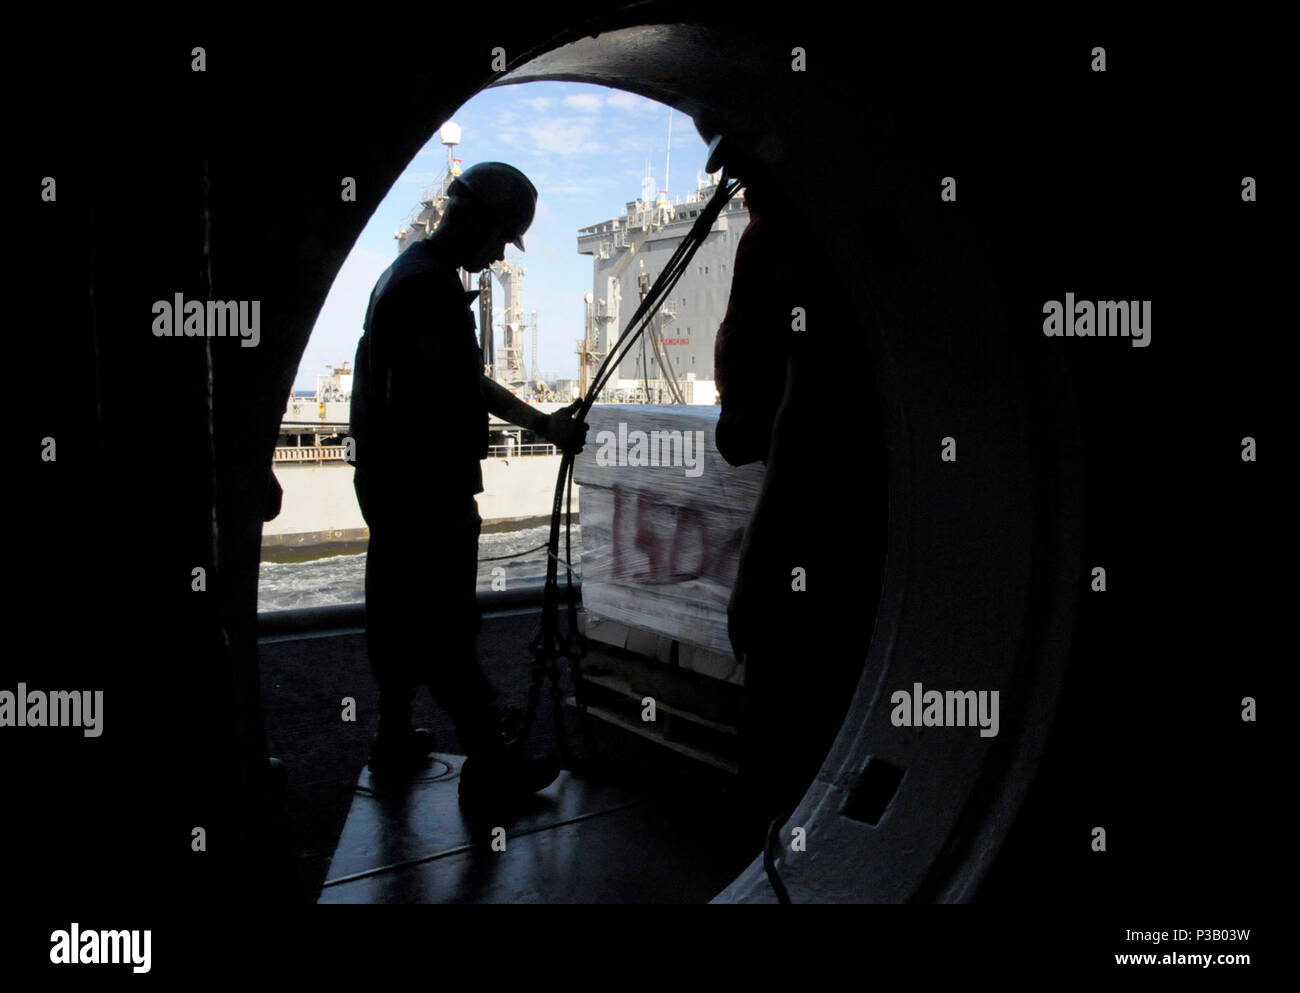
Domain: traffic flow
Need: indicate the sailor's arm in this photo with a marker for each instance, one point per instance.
(558, 428)
(509, 407)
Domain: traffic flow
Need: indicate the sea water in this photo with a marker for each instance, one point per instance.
(340, 579)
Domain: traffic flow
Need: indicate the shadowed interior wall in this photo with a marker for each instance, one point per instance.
(227, 184)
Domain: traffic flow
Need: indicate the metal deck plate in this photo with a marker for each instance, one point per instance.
(575, 842)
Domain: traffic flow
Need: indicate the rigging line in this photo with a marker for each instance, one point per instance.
(769, 863)
(645, 369)
(671, 275)
(513, 555)
(656, 337)
(663, 285)
(567, 558)
(544, 644)
(671, 272)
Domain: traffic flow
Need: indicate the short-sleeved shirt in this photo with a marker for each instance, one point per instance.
(419, 417)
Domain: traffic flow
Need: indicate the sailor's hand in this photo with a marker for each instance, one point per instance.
(563, 431)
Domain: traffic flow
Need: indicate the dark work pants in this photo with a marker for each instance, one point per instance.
(422, 617)
(796, 697)
(806, 650)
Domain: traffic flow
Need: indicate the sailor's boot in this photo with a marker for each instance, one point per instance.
(499, 771)
(399, 751)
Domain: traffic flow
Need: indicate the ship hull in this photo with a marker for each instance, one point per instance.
(320, 515)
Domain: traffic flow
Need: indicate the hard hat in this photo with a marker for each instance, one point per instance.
(717, 154)
(505, 191)
(741, 150)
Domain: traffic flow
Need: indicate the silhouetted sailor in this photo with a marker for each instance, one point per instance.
(420, 407)
(797, 616)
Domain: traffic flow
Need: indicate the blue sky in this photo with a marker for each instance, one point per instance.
(584, 147)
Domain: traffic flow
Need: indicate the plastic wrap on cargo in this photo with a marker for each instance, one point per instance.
(663, 516)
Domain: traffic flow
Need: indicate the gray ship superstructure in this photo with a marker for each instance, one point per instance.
(674, 361)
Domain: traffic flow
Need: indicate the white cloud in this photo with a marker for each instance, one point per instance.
(537, 103)
(564, 139)
(553, 136)
(622, 100)
(584, 189)
(586, 102)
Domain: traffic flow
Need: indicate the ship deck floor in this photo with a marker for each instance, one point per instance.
(627, 822)
(579, 841)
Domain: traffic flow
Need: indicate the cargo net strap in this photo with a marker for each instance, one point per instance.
(548, 645)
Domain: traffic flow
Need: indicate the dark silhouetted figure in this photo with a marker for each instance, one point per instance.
(797, 617)
(420, 407)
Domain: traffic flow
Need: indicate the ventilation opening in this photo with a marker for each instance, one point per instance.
(874, 792)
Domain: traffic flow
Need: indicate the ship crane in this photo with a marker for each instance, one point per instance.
(589, 355)
(510, 371)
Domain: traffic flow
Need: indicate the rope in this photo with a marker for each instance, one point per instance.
(547, 645)
(514, 555)
(769, 863)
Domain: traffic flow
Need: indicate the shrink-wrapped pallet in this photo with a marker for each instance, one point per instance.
(663, 515)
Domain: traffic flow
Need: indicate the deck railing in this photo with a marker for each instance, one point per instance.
(334, 453)
(310, 453)
(516, 451)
